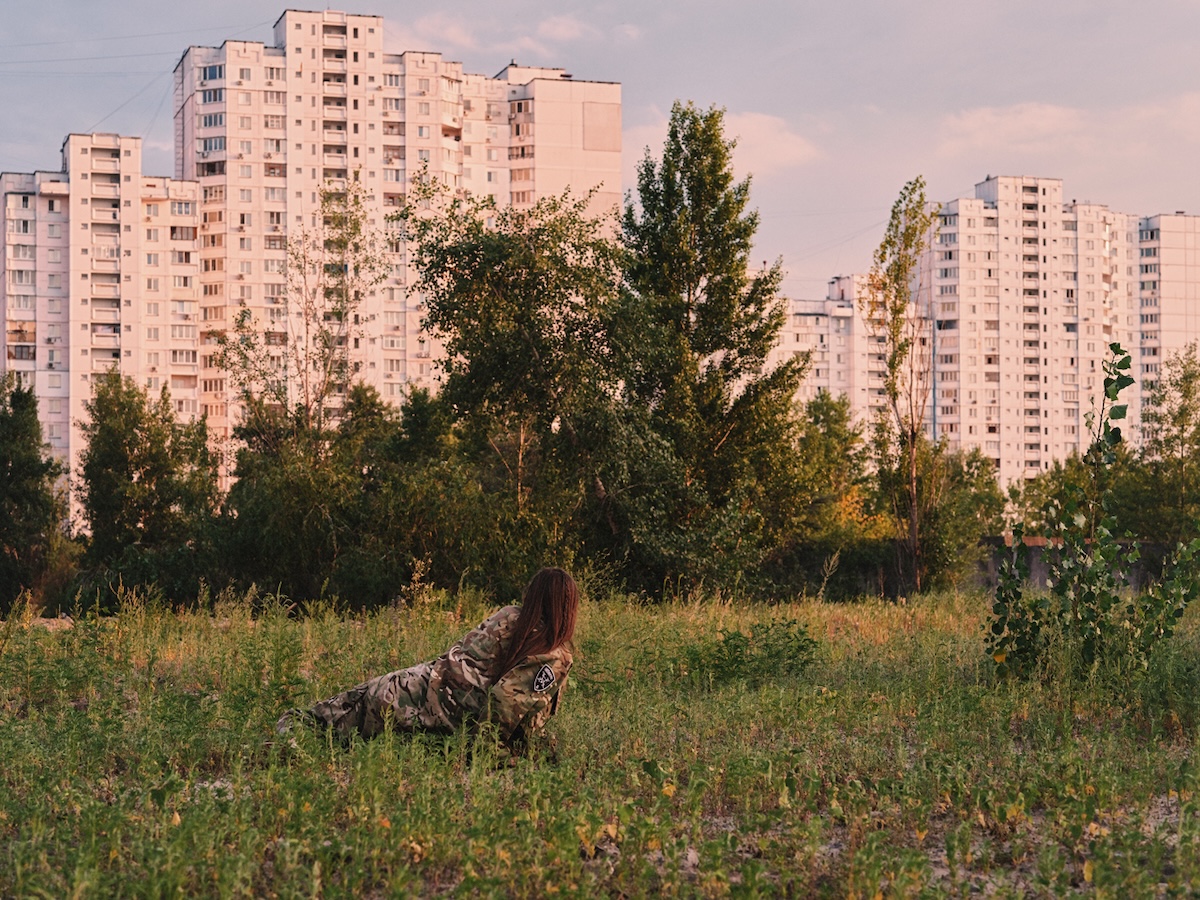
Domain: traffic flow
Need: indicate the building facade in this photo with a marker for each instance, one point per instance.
(1023, 291)
(1169, 289)
(101, 269)
(263, 128)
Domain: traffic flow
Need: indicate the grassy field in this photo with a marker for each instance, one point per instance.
(693, 754)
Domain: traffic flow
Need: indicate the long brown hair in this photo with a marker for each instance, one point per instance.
(547, 619)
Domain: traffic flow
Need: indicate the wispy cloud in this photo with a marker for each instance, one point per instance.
(562, 29)
(766, 144)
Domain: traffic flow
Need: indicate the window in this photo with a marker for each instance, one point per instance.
(393, 102)
(182, 281)
(182, 207)
(423, 109)
(152, 234)
(152, 259)
(422, 131)
(275, 73)
(245, 98)
(246, 195)
(275, 194)
(273, 122)
(183, 356)
(152, 284)
(245, 172)
(210, 145)
(391, 81)
(276, 97)
(212, 120)
(212, 95)
(212, 73)
(181, 257)
(152, 334)
(245, 243)
(245, 123)
(275, 218)
(244, 74)
(423, 155)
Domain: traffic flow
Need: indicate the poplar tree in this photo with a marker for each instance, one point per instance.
(693, 347)
(30, 509)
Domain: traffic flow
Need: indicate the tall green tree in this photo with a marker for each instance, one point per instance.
(910, 468)
(692, 348)
(522, 300)
(31, 510)
(1169, 472)
(148, 488)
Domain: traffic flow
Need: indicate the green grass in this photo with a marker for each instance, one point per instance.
(138, 759)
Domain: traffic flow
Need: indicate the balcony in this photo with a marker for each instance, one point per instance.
(335, 137)
(334, 112)
(105, 265)
(106, 314)
(54, 188)
(104, 339)
(104, 363)
(335, 159)
(335, 40)
(334, 64)
(334, 88)
(105, 164)
(106, 215)
(105, 189)
(106, 290)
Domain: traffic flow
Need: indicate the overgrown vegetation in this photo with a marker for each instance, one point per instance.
(139, 759)
(1092, 622)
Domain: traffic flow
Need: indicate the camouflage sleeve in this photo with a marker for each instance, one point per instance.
(461, 676)
(527, 695)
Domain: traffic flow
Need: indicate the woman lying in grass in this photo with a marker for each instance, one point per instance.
(510, 671)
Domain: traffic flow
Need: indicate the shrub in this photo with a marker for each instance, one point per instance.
(1088, 615)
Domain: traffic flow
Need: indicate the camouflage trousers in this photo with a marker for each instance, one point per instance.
(398, 700)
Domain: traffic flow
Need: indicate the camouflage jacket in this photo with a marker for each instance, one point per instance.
(459, 686)
(462, 683)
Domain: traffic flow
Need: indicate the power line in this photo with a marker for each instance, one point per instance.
(126, 103)
(22, 62)
(128, 37)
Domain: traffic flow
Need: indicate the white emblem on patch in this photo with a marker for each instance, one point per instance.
(544, 679)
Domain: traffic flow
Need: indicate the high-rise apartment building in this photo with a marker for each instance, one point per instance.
(1026, 293)
(100, 271)
(263, 128)
(845, 356)
(1169, 288)
(1022, 294)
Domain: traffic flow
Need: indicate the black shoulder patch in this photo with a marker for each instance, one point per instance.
(544, 679)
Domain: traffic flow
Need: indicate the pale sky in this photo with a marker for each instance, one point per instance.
(834, 104)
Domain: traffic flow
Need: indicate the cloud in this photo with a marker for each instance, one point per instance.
(565, 28)
(765, 145)
(1023, 128)
(436, 30)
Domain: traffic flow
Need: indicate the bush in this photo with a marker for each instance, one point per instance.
(1089, 621)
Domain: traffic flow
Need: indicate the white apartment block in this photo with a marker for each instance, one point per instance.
(1028, 291)
(263, 128)
(1023, 292)
(1169, 287)
(100, 271)
(845, 357)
